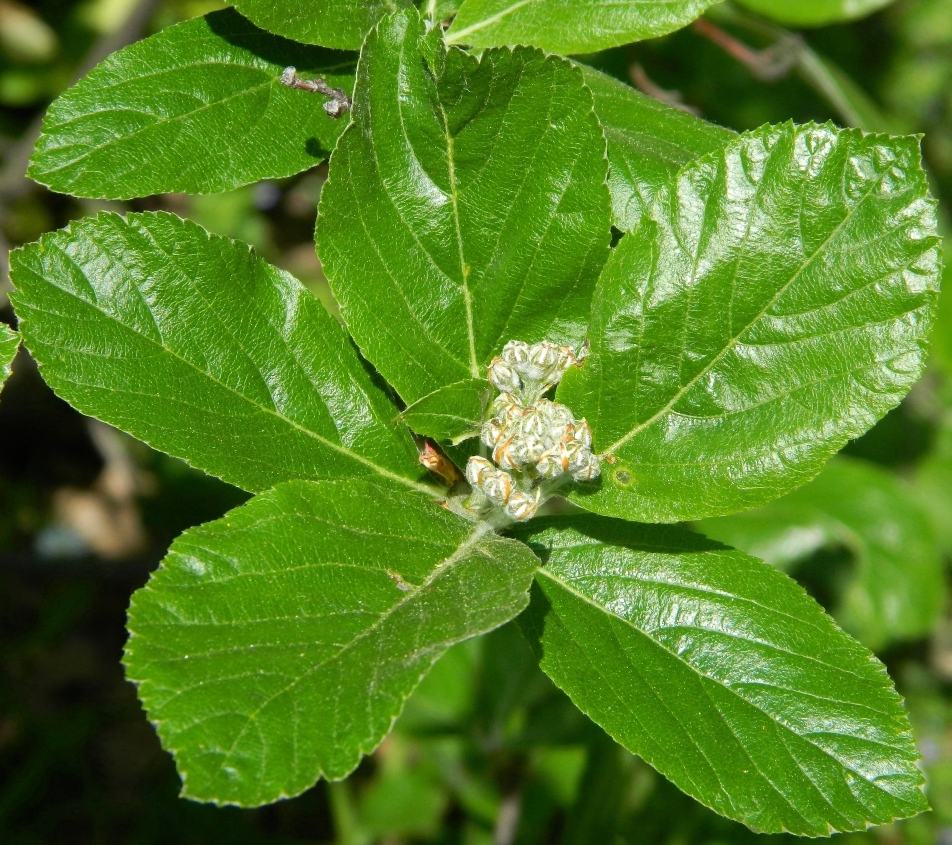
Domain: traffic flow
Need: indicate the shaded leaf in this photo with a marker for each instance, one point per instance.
(465, 206)
(723, 674)
(570, 26)
(278, 644)
(814, 12)
(898, 589)
(9, 343)
(451, 413)
(192, 343)
(774, 306)
(197, 108)
(648, 142)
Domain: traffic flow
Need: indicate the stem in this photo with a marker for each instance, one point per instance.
(791, 52)
(769, 64)
(338, 100)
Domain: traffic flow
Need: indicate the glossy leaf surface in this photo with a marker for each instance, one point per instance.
(278, 644)
(192, 343)
(331, 23)
(723, 674)
(648, 143)
(814, 12)
(465, 206)
(570, 26)
(897, 591)
(774, 306)
(9, 343)
(451, 412)
(197, 108)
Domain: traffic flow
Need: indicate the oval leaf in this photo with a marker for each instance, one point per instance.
(197, 108)
(465, 206)
(648, 142)
(774, 306)
(192, 343)
(570, 26)
(814, 12)
(278, 644)
(724, 675)
(898, 591)
(9, 343)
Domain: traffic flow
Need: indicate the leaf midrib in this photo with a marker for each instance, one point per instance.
(273, 412)
(587, 600)
(466, 544)
(734, 340)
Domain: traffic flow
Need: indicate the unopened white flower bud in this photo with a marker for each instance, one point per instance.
(477, 469)
(556, 415)
(493, 432)
(583, 433)
(506, 454)
(504, 406)
(531, 449)
(553, 463)
(522, 506)
(533, 423)
(503, 376)
(515, 354)
(590, 469)
(499, 487)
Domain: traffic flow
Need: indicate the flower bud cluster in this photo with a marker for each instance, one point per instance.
(527, 371)
(532, 439)
(500, 488)
(545, 437)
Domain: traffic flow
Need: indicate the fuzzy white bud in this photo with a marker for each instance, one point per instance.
(589, 469)
(522, 506)
(477, 469)
(515, 354)
(503, 376)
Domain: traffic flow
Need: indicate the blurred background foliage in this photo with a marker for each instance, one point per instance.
(488, 752)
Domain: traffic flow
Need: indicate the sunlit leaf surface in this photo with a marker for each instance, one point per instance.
(197, 108)
(192, 343)
(278, 644)
(465, 206)
(775, 305)
(723, 674)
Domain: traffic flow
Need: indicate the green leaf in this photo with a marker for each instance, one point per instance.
(466, 206)
(775, 305)
(648, 142)
(723, 674)
(814, 12)
(941, 346)
(439, 10)
(898, 589)
(332, 23)
(451, 413)
(197, 108)
(278, 644)
(570, 26)
(192, 343)
(9, 343)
